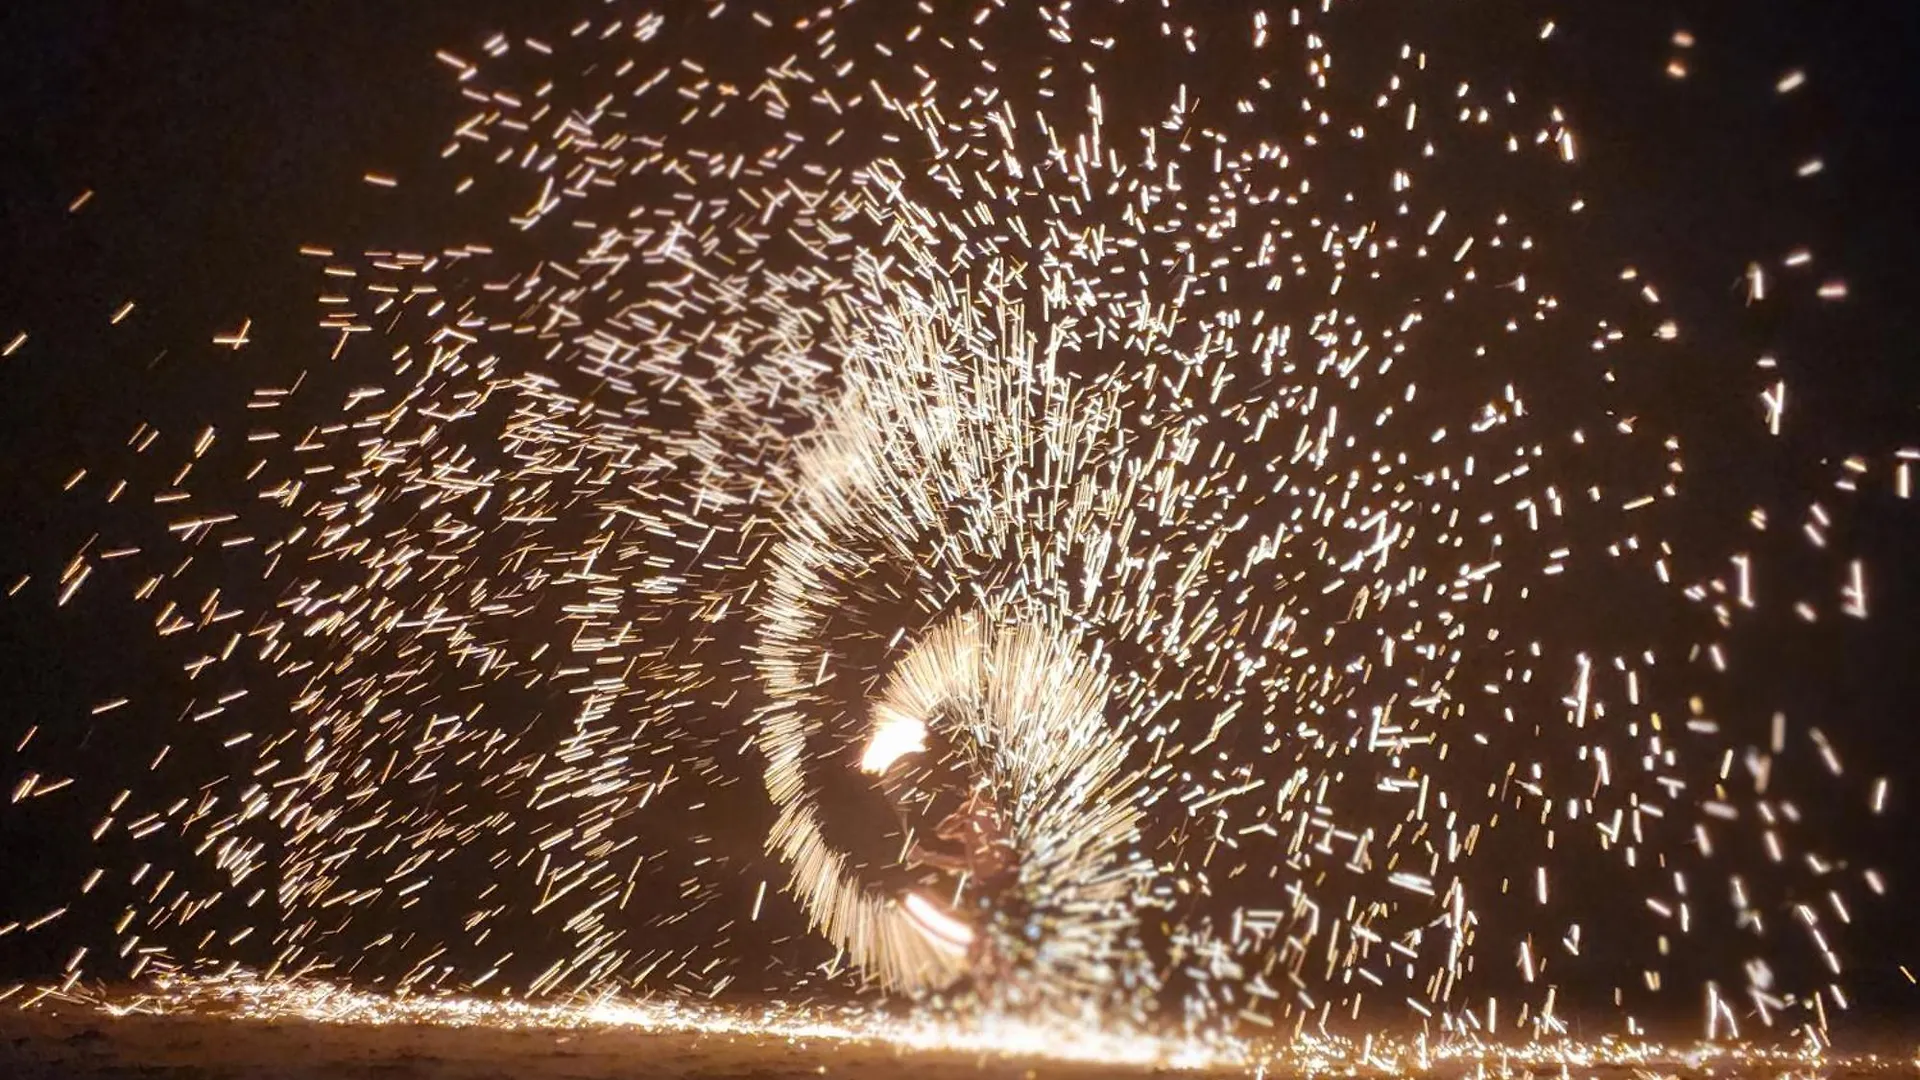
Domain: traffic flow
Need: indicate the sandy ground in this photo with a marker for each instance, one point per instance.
(84, 1044)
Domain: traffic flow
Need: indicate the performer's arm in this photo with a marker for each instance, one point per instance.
(944, 860)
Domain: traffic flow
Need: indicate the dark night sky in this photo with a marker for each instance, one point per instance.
(219, 135)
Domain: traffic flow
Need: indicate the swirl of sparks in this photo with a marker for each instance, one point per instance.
(929, 478)
(1198, 474)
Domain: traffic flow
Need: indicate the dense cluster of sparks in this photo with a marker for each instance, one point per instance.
(912, 399)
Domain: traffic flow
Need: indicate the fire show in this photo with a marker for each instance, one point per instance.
(1088, 535)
